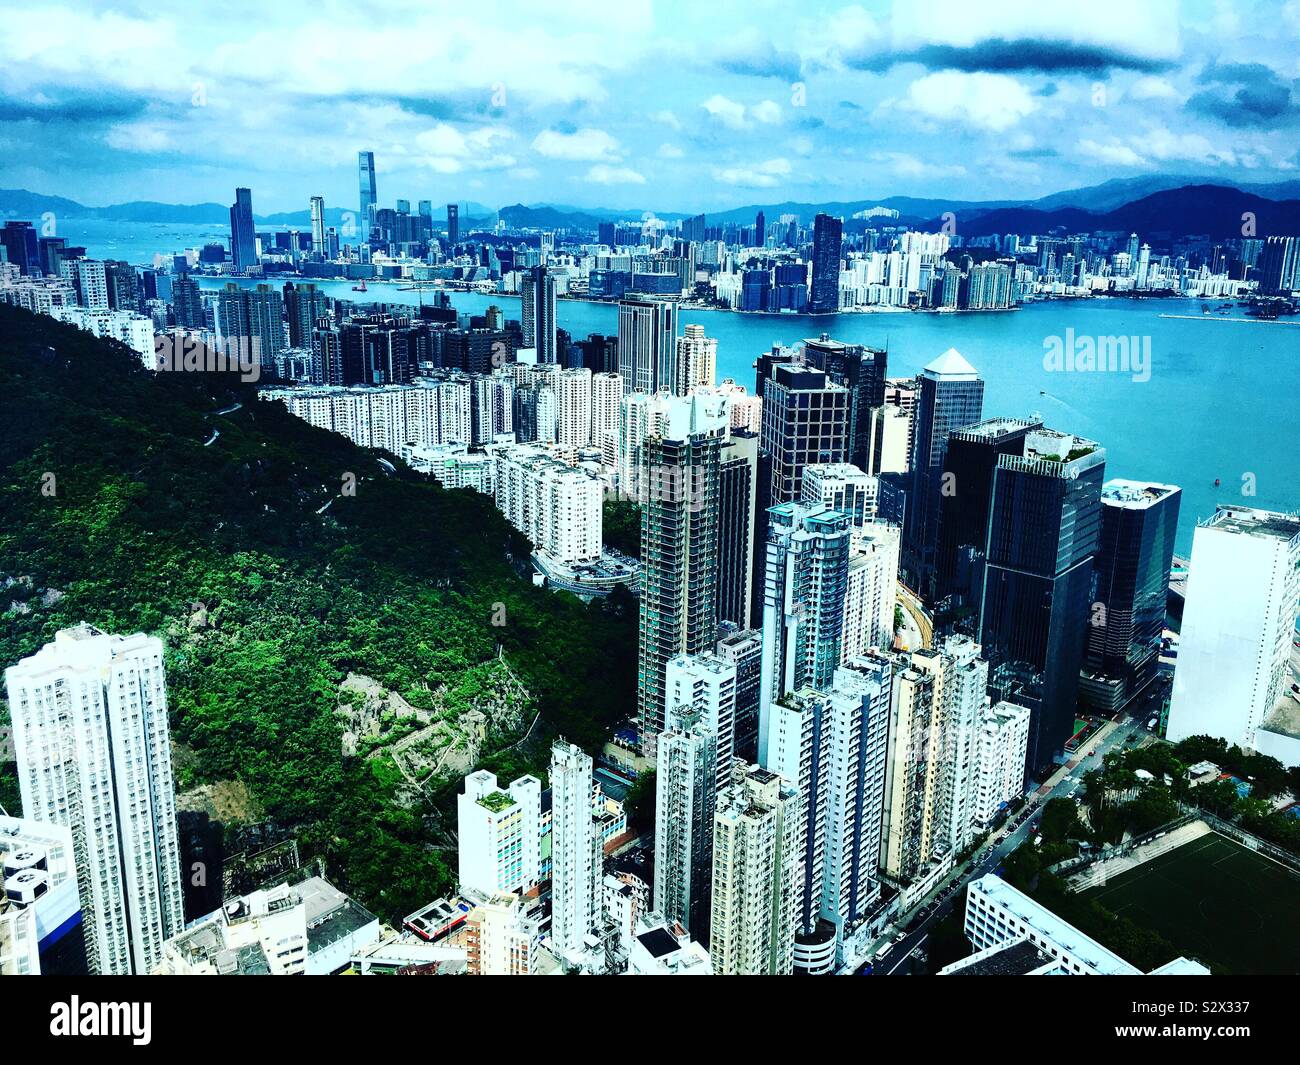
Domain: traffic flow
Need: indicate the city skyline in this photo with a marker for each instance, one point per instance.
(838, 103)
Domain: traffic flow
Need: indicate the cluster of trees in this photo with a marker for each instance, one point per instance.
(111, 499)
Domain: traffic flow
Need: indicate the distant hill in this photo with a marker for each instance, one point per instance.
(1116, 201)
(1214, 210)
(127, 502)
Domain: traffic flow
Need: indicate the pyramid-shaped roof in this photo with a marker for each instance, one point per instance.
(951, 362)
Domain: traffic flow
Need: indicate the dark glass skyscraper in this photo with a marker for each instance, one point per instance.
(861, 370)
(243, 236)
(1044, 528)
(453, 224)
(537, 311)
(828, 235)
(950, 395)
(805, 419)
(1127, 616)
(971, 459)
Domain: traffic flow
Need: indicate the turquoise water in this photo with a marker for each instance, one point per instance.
(1221, 399)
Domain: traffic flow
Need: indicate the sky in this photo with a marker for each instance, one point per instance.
(675, 106)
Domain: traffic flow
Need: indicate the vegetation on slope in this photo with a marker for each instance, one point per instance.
(116, 513)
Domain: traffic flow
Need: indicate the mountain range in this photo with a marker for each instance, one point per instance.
(1167, 204)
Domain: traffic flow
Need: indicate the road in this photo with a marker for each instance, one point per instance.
(1006, 839)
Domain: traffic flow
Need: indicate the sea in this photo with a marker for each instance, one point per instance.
(1207, 398)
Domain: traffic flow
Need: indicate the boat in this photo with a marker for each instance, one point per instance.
(1216, 482)
(361, 287)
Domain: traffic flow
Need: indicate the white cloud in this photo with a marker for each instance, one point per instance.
(583, 145)
(670, 151)
(766, 112)
(144, 137)
(728, 112)
(1152, 88)
(758, 176)
(1112, 153)
(903, 164)
(990, 101)
(602, 174)
(665, 118)
(448, 150)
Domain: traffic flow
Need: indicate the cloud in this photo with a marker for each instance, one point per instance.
(142, 137)
(764, 175)
(449, 150)
(990, 101)
(579, 145)
(752, 53)
(728, 112)
(603, 174)
(665, 118)
(1152, 88)
(1243, 95)
(670, 151)
(766, 112)
(903, 164)
(1112, 154)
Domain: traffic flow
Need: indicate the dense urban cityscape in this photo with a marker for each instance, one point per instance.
(368, 612)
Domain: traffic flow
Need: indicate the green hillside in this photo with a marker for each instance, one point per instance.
(113, 511)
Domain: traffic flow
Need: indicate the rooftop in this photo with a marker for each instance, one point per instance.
(1250, 522)
(994, 428)
(1017, 958)
(1135, 495)
(952, 363)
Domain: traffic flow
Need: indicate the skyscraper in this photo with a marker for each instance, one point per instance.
(757, 875)
(803, 605)
(828, 236)
(1238, 624)
(369, 195)
(738, 520)
(861, 370)
(685, 801)
(576, 855)
(498, 832)
(318, 246)
(453, 224)
(537, 307)
(696, 360)
(971, 458)
(243, 235)
(679, 538)
(647, 345)
(1139, 522)
(760, 230)
(94, 755)
(805, 420)
(1044, 527)
(951, 395)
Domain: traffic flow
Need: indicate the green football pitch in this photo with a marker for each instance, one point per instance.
(1229, 908)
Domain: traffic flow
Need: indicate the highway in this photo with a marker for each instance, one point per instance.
(1061, 784)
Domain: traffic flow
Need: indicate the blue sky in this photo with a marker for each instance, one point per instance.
(667, 105)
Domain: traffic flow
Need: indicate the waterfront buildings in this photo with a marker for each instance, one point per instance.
(647, 346)
(243, 234)
(824, 293)
(369, 196)
(91, 739)
(696, 359)
(537, 309)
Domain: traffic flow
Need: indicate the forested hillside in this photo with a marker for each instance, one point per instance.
(120, 507)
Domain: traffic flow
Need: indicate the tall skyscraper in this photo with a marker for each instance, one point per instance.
(951, 395)
(861, 370)
(679, 538)
(805, 420)
(696, 360)
(971, 458)
(803, 605)
(369, 195)
(243, 234)
(757, 875)
(304, 306)
(647, 345)
(704, 685)
(1044, 527)
(94, 755)
(738, 520)
(187, 303)
(318, 245)
(576, 855)
(1139, 522)
(1238, 624)
(760, 230)
(828, 234)
(453, 224)
(685, 801)
(537, 307)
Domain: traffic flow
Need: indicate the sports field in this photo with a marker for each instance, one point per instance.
(1215, 901)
